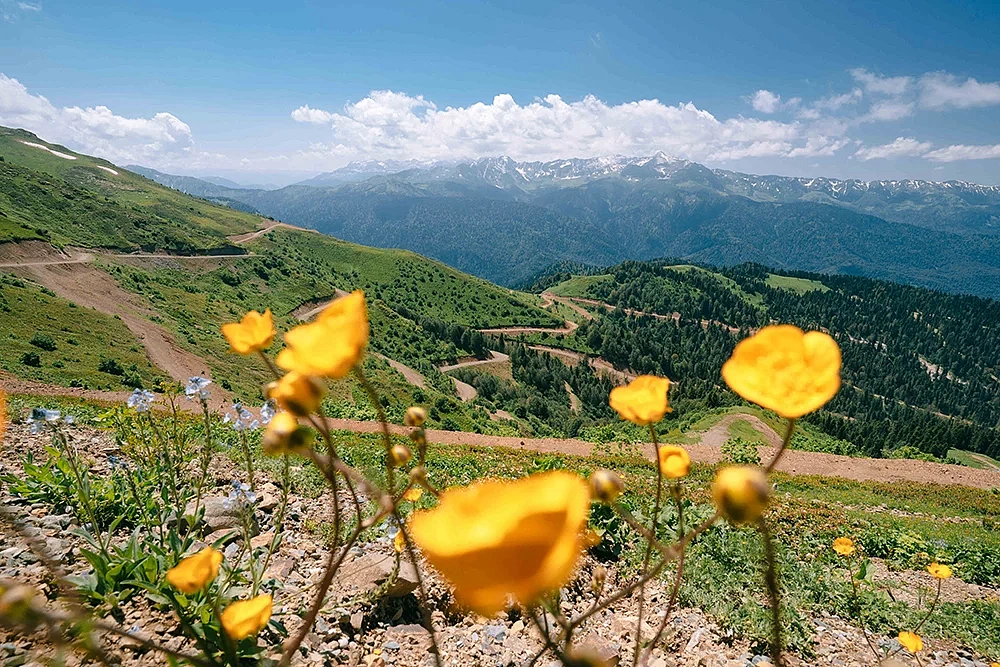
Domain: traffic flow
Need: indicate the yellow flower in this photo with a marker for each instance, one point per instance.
(495, 540)
(606, 485)
(195, 572)
(939, 571)
(398, 542)
(284, 435)
(674, 461)
(911, 641)
(643, 401)
(741, 493)
(246, 617)
(255, 332)
(785, 370)
(331, 345)
(844, 546)
(413, 494)
(297, 393)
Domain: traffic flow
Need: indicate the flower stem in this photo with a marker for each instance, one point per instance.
(773, 592)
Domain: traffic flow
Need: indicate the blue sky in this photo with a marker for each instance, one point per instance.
(256, 90)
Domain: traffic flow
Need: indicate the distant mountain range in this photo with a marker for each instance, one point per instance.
(506, 220)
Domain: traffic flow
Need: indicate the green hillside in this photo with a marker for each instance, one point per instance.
(90, 202)
(423, 313)
(920, 367)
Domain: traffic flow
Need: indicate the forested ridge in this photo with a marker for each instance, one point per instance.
(920, 368)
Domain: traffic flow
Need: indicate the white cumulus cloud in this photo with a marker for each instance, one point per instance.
(963, 152)
(940, 90)
(94, 130)
(394, 124)
(882, 85)
(901, 147)
(765, 101)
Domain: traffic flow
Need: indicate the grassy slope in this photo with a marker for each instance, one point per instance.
(798, 285)
(82, 337)
(579, 286)
(79, 202)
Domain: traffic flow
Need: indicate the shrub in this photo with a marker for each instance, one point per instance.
(740, 452)
(111, 367)
(43, 342)
(31, 359)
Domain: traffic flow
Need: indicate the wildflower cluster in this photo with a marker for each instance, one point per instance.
(498, 543)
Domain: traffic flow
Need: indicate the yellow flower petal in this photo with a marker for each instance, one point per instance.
(741, 493)
(783, 369)
(195, 572)
(333, 344)
(643, 401)
(398, 542)
(675, 462)
(844, 546)
(297, 393)
(495, 540)
(911, 641)
(939, 571)
(247, 617)
(413, 494)
(253, 333)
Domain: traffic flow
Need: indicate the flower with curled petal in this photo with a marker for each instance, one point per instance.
(643, 401)
(911, 641)
(195, 572)
(784, 369)
(247, 617)
(254, 333)
(333, 344)
(497, 540)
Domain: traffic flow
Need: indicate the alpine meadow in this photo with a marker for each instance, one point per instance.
(319, 347)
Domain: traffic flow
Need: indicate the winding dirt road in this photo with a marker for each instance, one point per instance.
(706, 450)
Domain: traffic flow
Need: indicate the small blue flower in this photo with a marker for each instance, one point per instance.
(141, 400)
(267, 411)
(197, 387)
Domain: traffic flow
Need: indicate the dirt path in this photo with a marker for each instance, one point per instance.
(706, 450)
(574, 401)
(572, 358)
(990, 465)
(793, 462)
(240, 239)
(568, 327)
(465, 391)
(409, 374)
(582, 312)
(719, 433)
(92, 288)
(495, 357)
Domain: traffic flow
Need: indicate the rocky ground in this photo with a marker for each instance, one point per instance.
(372, 619)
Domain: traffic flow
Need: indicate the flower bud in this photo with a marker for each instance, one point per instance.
(415, 416)
(418, 475)
(284, 435)
(419, 437)
(399, 455)
(605, 486)
(598, 579)
(741, 493)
